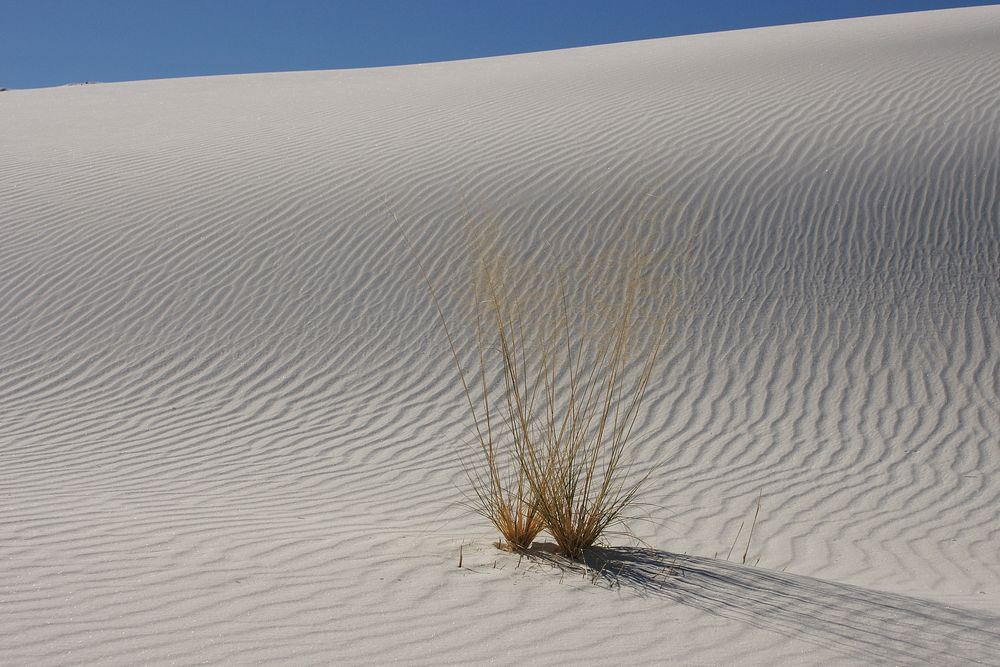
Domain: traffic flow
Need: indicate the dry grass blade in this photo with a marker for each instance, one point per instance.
(752, 526)
(500, 490)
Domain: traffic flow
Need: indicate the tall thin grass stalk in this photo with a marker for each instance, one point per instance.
(501, 492)
(752, 526)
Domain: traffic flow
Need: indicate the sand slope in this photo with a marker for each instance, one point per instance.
(228, 417)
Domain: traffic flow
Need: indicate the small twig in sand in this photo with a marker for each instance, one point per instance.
(735, 540)
(460, 554)
(749, 537)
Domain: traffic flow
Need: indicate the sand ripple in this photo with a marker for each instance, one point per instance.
(229, 428)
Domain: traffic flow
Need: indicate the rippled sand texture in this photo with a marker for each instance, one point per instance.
(229, 424)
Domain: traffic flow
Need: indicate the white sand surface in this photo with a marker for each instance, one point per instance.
(229, 422)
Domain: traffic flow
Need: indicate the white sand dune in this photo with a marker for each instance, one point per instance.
(228, 417)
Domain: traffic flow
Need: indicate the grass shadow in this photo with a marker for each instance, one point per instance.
(861, 623)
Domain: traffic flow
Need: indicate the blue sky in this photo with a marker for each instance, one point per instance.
(52, 42)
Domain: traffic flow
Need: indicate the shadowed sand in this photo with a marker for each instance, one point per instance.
(863, 623)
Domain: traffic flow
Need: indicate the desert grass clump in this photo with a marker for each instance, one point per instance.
(562, 360)
(575, 377)
(501, 492)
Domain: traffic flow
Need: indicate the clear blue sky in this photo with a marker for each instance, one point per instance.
(52, 42)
